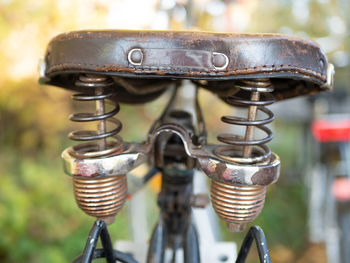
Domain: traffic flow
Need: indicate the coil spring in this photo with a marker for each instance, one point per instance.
(240, 204)
(237, 205)
(249, 150)
(99, 85)
(100, 197)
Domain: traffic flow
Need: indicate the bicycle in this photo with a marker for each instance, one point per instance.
(329, 198)
(249, 71)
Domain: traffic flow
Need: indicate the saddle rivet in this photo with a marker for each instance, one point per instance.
(135, 56)
(220, 61)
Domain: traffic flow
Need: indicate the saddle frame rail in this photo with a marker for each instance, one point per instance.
(99, 229)
(257, 234)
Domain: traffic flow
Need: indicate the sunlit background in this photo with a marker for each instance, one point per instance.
(39, 220)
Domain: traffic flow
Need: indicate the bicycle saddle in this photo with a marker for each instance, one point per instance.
(144, 63)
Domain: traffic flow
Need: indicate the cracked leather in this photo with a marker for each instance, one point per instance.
(295, 66)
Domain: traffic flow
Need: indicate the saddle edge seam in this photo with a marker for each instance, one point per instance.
(264, 68)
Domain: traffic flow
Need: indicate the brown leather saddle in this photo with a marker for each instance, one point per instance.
(144, 63)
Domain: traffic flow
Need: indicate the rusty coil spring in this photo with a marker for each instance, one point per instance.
(237, 205)
(240, 204)
(247, 149)
(101, 146)
(100, 197)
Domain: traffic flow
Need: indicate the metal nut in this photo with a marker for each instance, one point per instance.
(200, 200)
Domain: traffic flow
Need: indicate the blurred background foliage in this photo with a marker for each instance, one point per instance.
(39, 220)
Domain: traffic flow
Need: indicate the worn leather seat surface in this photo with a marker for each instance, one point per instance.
(138, 60)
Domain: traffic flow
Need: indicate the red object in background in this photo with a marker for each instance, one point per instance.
(341, 189)
(331, 130)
